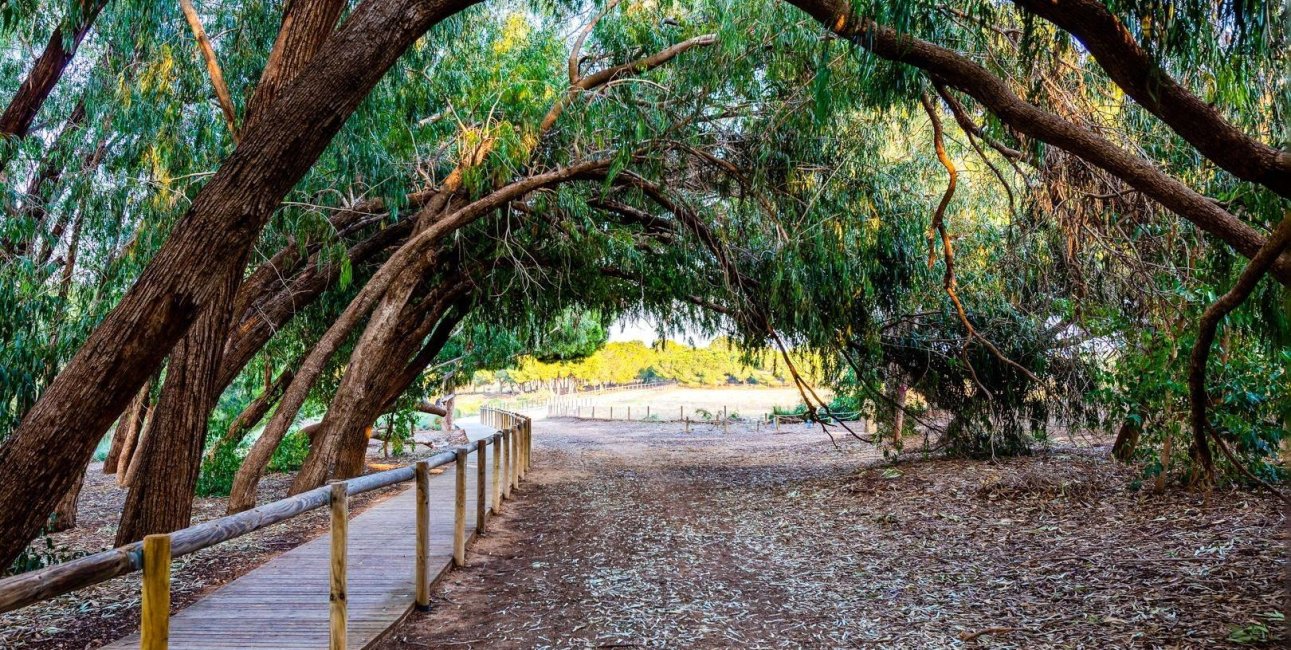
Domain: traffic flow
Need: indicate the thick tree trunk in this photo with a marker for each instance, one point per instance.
(64, 517)
(368, 388)
(42, 455)
(306, 24)
(161, 495)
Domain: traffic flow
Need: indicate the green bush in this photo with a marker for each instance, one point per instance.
(216, 476)
(290, 455)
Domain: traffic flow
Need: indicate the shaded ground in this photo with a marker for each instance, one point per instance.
(638, 535)
(103, 613)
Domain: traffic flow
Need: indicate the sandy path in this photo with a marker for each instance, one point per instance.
(644, 536)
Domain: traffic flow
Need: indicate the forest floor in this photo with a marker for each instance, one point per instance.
(103, 613)
(642, 535)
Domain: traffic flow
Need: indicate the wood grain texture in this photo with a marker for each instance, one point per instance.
(155, 615)
(283, 604)
(459, 510)
(340, 535)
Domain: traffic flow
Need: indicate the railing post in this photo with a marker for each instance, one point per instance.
(422, 572)
(515, 459)
(507, 461)
(340, 527)
(528, 445)
(481, 487)
(459, 510)
(497, 473)
(154, 628)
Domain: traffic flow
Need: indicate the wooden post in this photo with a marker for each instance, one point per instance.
(515, 459)
(593, 412)
(611, 412)
(421, 576)
(481, 488)
(724, 423)
(777, 422)
(497, 473)
(647, 412)
(340, 526)
(681, 412)
(459, 510)
(629, 412)
(687, 425)
(154, 627)
(507, 461)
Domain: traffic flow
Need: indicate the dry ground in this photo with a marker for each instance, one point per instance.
(103, 613)
(639, 535)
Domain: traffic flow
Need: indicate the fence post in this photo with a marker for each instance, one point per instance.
(154, 627)
(481, 487)
(422, 573)
(681, 412)
(497, 473)
(340, 525)
(459, 510)
(507, 461)
(687, 425)
(515, 459)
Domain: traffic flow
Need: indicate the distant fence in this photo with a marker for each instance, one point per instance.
(572, 398)
(722, 416)
(512, 445)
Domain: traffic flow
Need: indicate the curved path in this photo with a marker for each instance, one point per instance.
(284, 603)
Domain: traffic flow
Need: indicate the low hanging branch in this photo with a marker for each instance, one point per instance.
(938, 227)
(212, 66)
(1259, 265)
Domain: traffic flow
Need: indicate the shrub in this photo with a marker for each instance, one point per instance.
(291, 454)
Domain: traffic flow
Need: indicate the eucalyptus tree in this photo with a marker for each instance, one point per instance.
(734, 163)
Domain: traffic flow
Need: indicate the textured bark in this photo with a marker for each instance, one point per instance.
(369, 388)
(161, 494)
(306, 24)
(1136, 73)
(127, 432)
(16, 120)
(406, 264)
(64, 517)
(41, 457)
(949, 67)
(900, 391)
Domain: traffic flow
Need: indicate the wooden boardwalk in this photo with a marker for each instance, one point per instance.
(284, 603)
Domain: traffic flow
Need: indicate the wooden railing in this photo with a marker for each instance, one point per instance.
(511, 458)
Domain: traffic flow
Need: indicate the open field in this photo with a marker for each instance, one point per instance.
(666, 403)
(652, 537)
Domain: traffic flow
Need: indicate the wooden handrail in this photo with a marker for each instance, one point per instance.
(31, 587)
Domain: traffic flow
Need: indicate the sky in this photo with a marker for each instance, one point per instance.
(646, 331)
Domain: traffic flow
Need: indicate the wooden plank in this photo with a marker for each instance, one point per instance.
(283, 604)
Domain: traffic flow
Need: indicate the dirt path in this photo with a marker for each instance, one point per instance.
(640, 535)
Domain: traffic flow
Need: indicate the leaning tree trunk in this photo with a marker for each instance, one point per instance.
(64, 517)
(899, 392)
(161, 496)
(42, 456)
(127, 432)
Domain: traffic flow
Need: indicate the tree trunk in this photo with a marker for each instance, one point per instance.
(41, 457)
(1127, 440)
(253, 413)
(64, 517)
(127, 431)
(48, 69)
(161, 496)
(899, 392)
